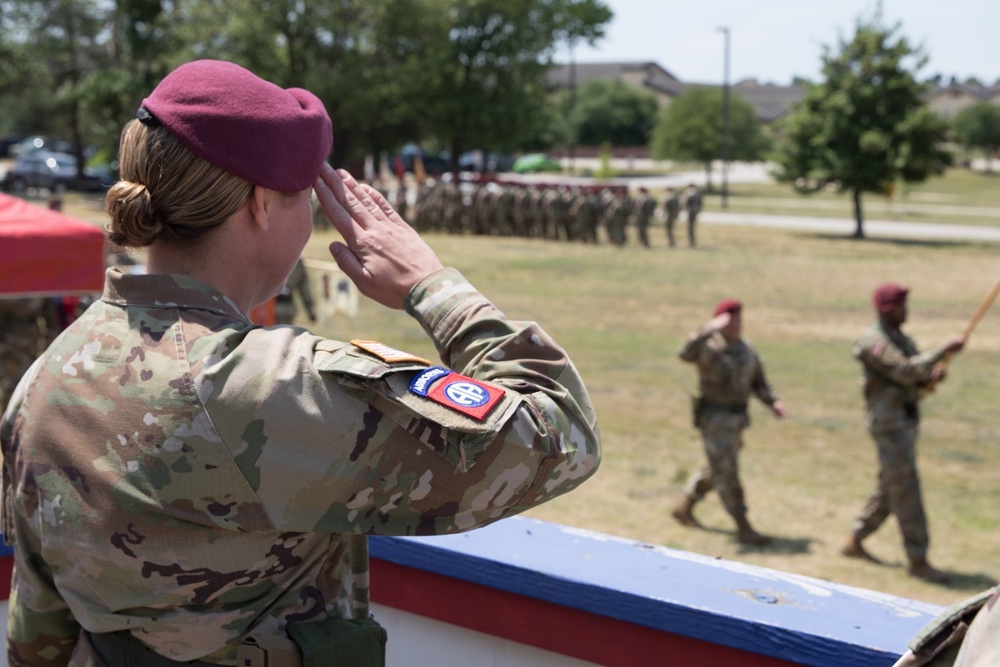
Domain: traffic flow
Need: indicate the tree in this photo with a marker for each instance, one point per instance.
(611, 111)
(865, 126)
(491, 88)
(978, 127)
(690, 129)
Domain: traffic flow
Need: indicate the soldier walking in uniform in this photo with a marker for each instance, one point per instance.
(692, 204)
(729, 370)
(895, 376)
(671, 207)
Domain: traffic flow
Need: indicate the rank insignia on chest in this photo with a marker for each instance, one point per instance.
(387, 354)
(460, 393)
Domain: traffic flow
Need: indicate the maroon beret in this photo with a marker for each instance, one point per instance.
(252, 128)
(889, 295)
(728, 306)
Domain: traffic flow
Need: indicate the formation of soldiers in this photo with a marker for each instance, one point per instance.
(559, 212)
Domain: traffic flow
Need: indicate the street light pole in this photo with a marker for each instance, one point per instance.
(725, 121)
(572, 106)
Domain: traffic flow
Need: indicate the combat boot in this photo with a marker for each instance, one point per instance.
(921, 569)
(854, 549)
(682, 512)
(745, 534)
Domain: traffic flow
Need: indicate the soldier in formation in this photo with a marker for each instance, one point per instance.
(542, 211)
(644, 208)
(692, 204)
(671, 208)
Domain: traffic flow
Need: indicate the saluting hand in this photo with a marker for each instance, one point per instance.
(382, 254)
(718, 322)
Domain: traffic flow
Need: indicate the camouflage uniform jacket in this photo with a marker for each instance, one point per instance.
(173, 470)
(966, 634)
(894, 373)
(727, 373)
(644, 208)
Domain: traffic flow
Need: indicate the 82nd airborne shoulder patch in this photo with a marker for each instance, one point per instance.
(460, 393)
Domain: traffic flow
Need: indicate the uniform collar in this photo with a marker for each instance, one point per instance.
(166, 291)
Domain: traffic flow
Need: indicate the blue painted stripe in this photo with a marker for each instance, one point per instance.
(750, 608)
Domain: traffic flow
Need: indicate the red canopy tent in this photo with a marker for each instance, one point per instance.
(46, 252)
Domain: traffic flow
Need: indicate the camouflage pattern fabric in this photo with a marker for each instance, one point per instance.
(981, 647)
(644, 208)
(728, 373)
(722, 441)
(692, 204)
(27, 326)
(894, 372)
(671, 207)
(898, 493)
(969, 627)
(172, 470)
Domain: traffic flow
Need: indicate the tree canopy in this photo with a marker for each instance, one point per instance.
(691, 129)
(865, 126)
(610, 111)
(978, 127)
(462, 73)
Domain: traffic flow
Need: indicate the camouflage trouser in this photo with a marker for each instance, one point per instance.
(898, 492)
(644, 233)
(722, 445)
(671, 220)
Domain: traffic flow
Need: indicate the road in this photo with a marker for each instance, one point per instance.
(845, 227)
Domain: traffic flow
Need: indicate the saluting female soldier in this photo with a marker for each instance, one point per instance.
(179, 482)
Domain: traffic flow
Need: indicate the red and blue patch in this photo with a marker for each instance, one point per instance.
(460, 393)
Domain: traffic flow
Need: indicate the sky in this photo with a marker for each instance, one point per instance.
(774, 41)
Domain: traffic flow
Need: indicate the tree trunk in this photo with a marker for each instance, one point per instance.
(708, 176)
(859, 231)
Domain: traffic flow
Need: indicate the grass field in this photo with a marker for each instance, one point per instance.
(622, 312)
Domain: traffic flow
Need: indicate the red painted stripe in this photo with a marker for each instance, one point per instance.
(6, 571)
(544, 625)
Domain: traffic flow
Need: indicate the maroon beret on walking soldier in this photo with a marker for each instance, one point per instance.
(182, 486)
(894, 374)
(729, 371)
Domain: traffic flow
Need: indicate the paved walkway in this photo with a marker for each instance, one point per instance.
(845, 227)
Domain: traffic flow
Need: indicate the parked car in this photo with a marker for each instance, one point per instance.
(485, 163)
(434, 164)
(55, 172)
(535, 162)
(39, 142)
(6, 144)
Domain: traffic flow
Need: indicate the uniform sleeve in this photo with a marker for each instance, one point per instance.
(760, 386)
(333, 439)
(981, 646)
(691, 348)
(888, 361)
(41, 630)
